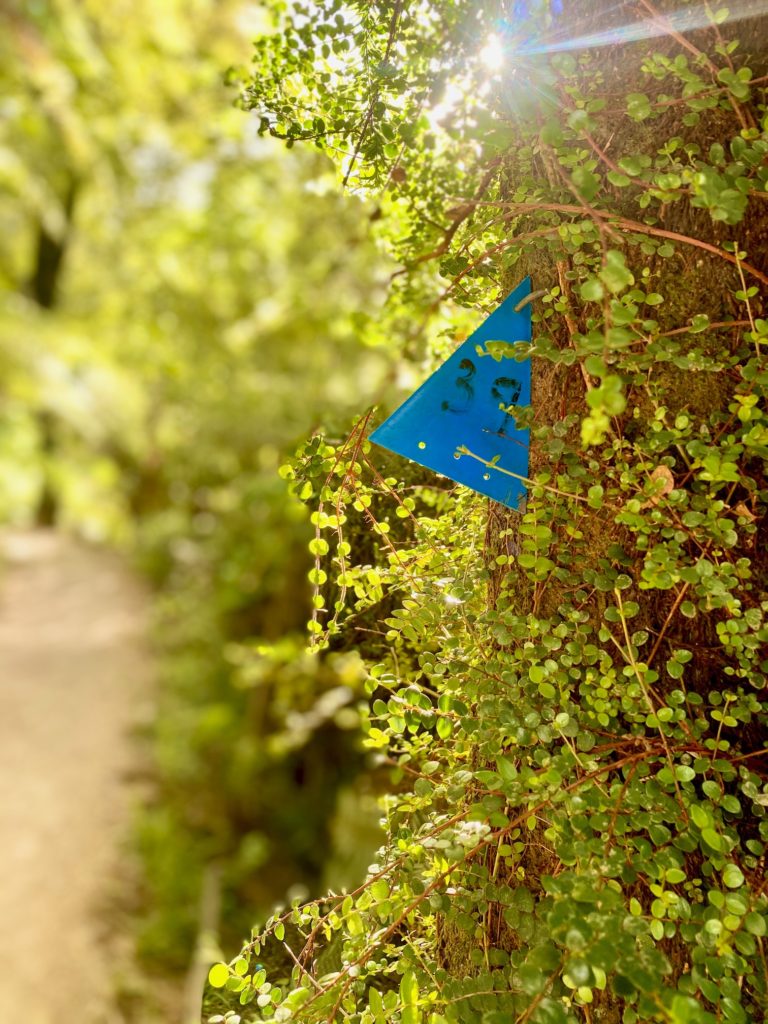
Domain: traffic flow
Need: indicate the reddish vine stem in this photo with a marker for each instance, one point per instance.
(656, 15)
(680, 100)
(623, 223)
(460, 214)
(667, 622)
(602, 154)
(631, 225)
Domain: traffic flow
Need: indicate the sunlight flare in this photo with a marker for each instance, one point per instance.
(492, 54)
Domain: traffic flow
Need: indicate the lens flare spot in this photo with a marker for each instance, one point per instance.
(492, 54)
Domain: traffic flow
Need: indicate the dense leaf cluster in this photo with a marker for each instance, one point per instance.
(571, 697)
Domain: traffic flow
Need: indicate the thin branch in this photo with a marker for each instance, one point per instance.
(624, 224)
(375, 96)
(656, 16)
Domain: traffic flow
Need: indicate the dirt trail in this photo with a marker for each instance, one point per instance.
(74, 678)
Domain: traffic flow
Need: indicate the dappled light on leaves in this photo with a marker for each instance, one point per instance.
(552, 718)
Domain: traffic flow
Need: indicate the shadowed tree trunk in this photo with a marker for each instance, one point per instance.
(50, 253)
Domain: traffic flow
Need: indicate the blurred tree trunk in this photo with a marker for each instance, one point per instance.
(50, 253)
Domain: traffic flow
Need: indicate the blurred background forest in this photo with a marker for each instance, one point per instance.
(184, 304)
(180, 305)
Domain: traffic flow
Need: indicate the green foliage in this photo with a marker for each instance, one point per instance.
(571, 698)
(171, 359)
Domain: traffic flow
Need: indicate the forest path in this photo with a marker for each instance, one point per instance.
(75, 678)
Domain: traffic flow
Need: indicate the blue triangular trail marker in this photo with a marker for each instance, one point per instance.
(463, 403)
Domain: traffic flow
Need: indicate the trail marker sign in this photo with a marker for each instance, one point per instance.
(466, 402)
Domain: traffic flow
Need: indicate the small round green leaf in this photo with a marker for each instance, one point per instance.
(732, 876)
(218, 975)
(592, 290)
(712, 839)
(755, 924)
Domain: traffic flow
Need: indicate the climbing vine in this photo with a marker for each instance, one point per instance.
(570, 698)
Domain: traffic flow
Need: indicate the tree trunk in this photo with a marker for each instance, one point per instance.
(44, 283)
